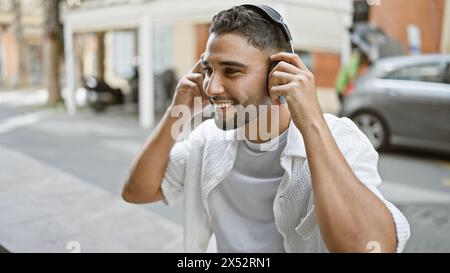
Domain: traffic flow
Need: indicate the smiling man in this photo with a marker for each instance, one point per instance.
(306, 182)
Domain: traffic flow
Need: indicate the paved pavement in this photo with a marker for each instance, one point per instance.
(61, 181)
(45, 209)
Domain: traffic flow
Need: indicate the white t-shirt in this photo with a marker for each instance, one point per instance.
(242, 204)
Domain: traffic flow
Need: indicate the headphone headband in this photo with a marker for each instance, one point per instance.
(275, 17)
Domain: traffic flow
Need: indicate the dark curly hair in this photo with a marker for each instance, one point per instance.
(259, 31)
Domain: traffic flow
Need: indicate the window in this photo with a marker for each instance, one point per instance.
(447, 73)
(124, 53)
(430, 72)
(306, 57)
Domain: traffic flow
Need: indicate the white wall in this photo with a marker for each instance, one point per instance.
(184, 47)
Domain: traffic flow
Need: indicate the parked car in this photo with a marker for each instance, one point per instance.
(403, 101)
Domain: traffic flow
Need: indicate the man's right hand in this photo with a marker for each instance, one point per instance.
(189, 87)
(144, 183)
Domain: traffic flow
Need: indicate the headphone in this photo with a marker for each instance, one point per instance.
(273, 16)
(276, 18)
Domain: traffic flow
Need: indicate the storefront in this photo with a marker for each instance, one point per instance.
(172, 34)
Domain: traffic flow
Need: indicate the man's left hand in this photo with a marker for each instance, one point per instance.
(293, 80)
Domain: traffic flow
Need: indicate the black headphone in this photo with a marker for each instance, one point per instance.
(276, 18)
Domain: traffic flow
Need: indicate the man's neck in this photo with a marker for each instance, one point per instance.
(275, 124)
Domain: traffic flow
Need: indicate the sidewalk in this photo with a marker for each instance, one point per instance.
(47, 210)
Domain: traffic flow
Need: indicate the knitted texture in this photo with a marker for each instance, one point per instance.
(199, 163)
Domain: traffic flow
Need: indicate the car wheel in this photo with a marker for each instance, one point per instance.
(374, 128)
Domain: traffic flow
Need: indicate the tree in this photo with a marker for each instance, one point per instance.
(17, 29)
(52, 44)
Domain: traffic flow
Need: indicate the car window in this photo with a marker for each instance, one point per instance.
(447, 73)
(431, 72)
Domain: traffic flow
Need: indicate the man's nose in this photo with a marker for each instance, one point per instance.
(214, 87)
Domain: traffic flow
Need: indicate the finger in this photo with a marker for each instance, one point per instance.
(280, 78)
(296, 73)
(198, 66)
(280, 90)
(286, 67)
(196, 91)
(197, 78)
(193, 88)
(186, 84)
(289, 58)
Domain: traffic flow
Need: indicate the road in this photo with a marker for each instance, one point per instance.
(419, 184)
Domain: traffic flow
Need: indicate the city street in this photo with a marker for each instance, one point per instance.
(63, 166)
(98, 150)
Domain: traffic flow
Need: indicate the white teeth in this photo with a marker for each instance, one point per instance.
(224, 104)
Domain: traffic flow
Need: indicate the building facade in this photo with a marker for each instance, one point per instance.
(422, 26)
(171, 35)
(32, 45)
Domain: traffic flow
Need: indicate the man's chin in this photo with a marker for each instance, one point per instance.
(226, 124)
(234, 120)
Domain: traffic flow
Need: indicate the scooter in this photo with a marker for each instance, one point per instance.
(100, 94)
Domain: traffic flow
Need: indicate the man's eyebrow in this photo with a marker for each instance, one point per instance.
(233, 63)
(227, 63)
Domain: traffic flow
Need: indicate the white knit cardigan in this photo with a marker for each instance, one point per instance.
(201, 162)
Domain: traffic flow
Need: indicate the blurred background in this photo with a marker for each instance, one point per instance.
(84, 82)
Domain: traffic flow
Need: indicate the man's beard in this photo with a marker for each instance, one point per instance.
(241, 114)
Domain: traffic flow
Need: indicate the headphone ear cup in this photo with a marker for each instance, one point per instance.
(272, 66)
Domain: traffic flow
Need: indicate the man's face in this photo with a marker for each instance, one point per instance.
(235, 78)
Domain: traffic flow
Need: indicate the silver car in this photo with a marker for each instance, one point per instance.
(403, 101)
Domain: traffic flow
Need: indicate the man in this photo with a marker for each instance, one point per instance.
(307, 183)
(347, 75)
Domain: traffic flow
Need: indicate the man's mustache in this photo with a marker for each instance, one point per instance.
(216, 99)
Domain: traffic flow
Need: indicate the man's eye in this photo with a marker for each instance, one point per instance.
(231, 71)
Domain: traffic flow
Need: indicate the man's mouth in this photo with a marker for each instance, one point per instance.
(223, 105)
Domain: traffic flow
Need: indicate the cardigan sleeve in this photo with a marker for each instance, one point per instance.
(363, 160)
(173, 181)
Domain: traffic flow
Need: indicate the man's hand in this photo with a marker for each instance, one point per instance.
(144, 183)
(292, 79)
(189, 87)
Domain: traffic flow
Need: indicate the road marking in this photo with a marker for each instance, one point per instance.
(24, 98)
(12, 123)
(402, 193)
